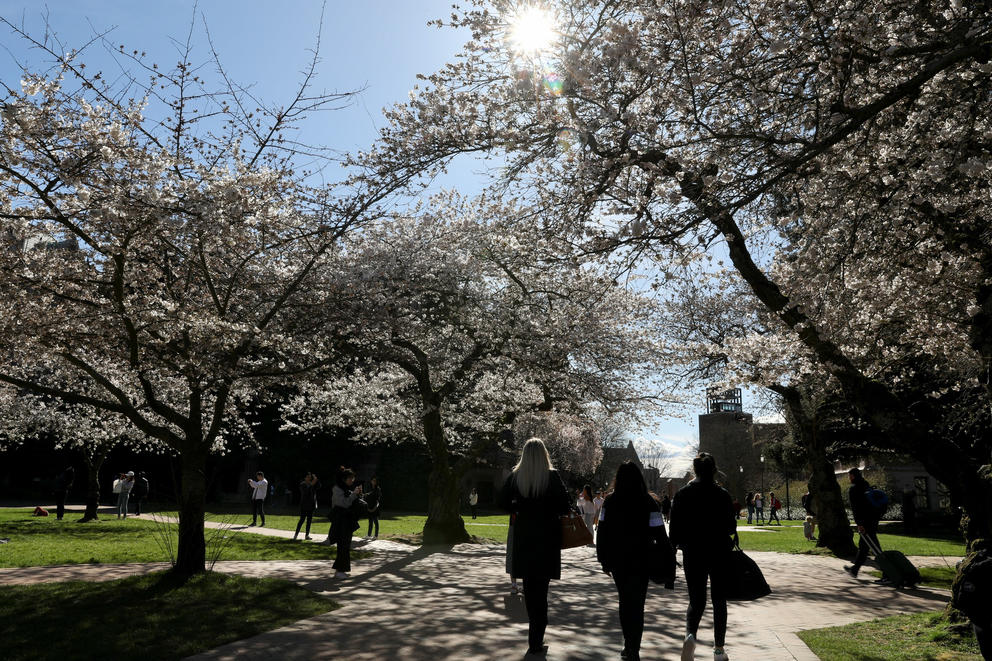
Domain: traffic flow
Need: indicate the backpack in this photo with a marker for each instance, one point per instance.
(878, 499)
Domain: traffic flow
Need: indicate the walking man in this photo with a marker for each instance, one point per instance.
(866, 518)
(260, 487)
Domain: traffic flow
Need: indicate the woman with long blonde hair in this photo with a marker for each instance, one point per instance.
(536, 495)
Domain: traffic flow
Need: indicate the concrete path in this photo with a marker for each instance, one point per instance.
(414, 604)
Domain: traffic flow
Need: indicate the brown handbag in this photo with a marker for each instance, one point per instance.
(574, 531)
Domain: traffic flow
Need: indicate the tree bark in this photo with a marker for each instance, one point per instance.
(191, 552)
(444, 521)
(93, 464)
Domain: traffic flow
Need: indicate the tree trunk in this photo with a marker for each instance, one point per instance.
(834, 530)
(191, 552)
(444, 521)
(93, 464)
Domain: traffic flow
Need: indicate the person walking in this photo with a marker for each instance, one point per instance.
(308, 503)
(536, 495)
(702, 525)
(374, 500)
(126, 484)
(259, 489)
(774, 505)
(473, 502)
(587, 507)
(343, 520)
(749, 504)
(865, 516)
(139, 492)
(759, 507)
(628, 520)
(807, 503)
(666, 507)
(598, 501)
(63, 483)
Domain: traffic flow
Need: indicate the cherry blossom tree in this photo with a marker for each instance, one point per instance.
(195, 235)
(837, 157)
(455, 322)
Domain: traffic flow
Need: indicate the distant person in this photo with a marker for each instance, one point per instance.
(666, 507)
(587, 507)
(749, 504)
(63, 484)
(374, 500)
(737, 509)
(126, 484)
(865, 516)
(702, 525)
(807, 503)
(308, 503)
(259, 489)
(535, 493)
(139, 492)
(473, 502)
(774, 505)
(343, 520)
(759, 507)
(629, 519)
(598, 501)
(909, 512)
(808, 526)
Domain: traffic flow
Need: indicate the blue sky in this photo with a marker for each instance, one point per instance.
(378, 46)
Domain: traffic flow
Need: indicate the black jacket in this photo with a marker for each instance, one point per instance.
(308, 496)
(864, 513)
(536, 548)
(623, 541)
(702, 518)
(140, 488)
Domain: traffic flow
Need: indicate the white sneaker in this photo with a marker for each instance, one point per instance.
(719, 654)
(340, 574)
(689, 647)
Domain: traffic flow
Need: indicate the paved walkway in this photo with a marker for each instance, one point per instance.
(424, 604)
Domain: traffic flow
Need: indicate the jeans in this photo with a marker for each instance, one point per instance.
(60, 504)
(257, 510)
(374, 520)
(871, 531)
(122, 498)
(632, 590)
(698, 566)
(342, 562)
(750, 513)
(536, 601)
(774, 515)
(304, 516)
(759, 514)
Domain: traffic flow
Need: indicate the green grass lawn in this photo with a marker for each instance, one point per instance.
(393, 525)
(152, 617)
(36, 541)
(788, 539)
(917, 637)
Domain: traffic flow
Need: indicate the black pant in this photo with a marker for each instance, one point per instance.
(871, 531)
(632, 589)
(257, 510)
(304, 516)
(698, 565)
(60, 504)
(374, 520)
(343, 560)
(137, 503)
(774, 515)
(536, 601)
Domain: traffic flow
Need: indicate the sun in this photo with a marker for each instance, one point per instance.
(532, 30)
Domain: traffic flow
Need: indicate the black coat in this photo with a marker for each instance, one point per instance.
(703, 518)
(864, 513)
(308, 496)
(624, 535)
(537, 528)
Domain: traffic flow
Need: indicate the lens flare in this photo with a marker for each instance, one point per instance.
(553, 83)
(532, 30)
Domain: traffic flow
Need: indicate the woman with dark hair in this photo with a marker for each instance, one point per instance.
(702, 525)
(537, 497)
(343, 521)
(308, 503)
(629, 519)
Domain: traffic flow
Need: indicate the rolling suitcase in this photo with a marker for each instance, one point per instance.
(895, 566)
